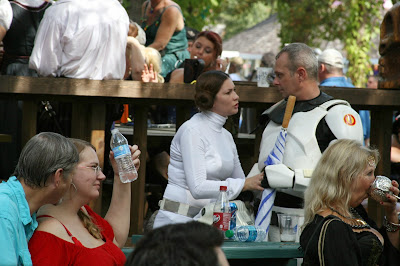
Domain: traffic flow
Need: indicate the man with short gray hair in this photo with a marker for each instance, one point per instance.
(317, 120)
(42, 176)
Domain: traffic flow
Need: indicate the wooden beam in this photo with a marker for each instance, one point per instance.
(29, 118)
(138, 186)
(381, 139)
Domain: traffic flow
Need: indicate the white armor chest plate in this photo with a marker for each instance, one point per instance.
(301, 150)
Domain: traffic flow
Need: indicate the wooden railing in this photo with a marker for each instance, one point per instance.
(89, 98)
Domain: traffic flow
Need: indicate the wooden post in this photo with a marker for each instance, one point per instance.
(380, 118)
(138, 187)
(29, 118)
(88, 122)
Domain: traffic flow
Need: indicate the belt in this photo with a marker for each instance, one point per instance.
(178, 207)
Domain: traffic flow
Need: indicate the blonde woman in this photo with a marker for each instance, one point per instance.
(337, 229)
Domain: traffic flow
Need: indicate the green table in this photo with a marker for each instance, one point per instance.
(253, 253)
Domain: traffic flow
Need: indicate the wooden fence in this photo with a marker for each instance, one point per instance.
(89, 97)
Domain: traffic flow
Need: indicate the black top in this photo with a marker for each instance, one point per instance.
(343, 246)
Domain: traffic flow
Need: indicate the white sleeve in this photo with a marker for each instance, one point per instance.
(194, 164)
(6, 14)
(47, 50)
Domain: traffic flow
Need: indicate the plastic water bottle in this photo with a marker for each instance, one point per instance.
(122, 155)
(222, 211)
(247, 233)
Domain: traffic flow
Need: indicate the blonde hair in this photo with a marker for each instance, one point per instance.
(331, 183)
(152, 56)
(85, 218)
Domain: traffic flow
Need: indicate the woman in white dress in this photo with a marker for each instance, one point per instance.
(204, 155)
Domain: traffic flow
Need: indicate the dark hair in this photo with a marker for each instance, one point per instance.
(42, 156)
(214, 38)
(181, 244)
(208, 85)
(191, 33)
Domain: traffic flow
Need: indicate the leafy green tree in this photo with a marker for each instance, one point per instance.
(354, 22)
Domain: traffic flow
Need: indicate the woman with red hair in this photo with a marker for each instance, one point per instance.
(207, 46)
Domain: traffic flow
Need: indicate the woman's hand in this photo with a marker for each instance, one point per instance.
(135, 153)
(149, 75)
(254, 182)
(390, 205)
(222, 64)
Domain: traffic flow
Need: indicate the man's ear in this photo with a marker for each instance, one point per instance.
(321, 68)
(301, 71)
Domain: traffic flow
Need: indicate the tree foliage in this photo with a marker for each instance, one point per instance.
(354, 22)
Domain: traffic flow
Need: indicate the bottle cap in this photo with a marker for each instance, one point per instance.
(223, 188)
(229, 233)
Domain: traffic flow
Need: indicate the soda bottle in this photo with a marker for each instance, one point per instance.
(247, 233)
(222, 212)
(122, 155)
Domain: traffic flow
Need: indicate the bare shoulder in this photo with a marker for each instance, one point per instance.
(177, 76)
(51, 224)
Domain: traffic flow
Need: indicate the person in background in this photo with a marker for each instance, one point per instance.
(182, 244)
(372, 82)
(337, 229)
(234, 68)
(191, 36)
(134, 55)
(204, 155)
(163, 22)
(395, 150)
(71, 233)
(330, 74)
(365, 115)
(267, 60)
(207, 46)
(19, 21)
(72, 44)
(42, 176)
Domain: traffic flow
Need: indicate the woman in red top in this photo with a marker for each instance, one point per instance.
(71, 233)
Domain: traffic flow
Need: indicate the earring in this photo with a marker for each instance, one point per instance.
(76, 190)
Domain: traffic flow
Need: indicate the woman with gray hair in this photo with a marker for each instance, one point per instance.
(42, 176)
(337, 229)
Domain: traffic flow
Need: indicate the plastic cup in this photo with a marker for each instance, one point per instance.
(288, 224)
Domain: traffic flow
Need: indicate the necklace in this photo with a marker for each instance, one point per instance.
(355, 221)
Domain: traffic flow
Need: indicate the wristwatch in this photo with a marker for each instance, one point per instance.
(390, 227)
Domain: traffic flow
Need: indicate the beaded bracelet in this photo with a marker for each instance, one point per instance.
(390, 227)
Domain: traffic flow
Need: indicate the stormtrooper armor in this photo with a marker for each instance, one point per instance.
(302, 151)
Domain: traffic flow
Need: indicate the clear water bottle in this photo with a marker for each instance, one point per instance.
(222, 211)
(247, 233)
(122, 155)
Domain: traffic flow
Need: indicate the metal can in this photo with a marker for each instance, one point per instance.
(233, 208)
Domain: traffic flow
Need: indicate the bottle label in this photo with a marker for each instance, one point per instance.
(221, 220)
(121, 151)
(252, 234)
